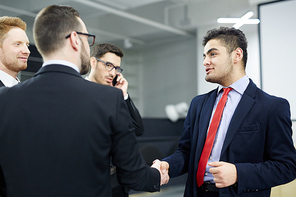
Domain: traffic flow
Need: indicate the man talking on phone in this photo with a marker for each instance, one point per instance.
(105, 69)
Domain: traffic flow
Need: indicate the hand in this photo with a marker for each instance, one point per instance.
(122, 84)
(162, 167)
(225, 174)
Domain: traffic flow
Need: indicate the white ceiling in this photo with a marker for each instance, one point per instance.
(140, 22)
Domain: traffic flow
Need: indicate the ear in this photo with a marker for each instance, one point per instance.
(238, 55)
(93, 62)
(74, 40)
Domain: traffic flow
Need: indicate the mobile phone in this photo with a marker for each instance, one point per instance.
(114, 82)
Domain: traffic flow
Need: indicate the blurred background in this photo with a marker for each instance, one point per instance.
(161, 41)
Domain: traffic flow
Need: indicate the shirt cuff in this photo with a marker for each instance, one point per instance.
(126, 97)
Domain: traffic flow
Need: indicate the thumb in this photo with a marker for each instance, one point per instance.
(164, 167)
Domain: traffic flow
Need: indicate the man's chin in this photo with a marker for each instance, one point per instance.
(17, 68)
(210, 79)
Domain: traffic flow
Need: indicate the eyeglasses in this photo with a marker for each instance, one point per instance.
(109, 66)
(90, 37)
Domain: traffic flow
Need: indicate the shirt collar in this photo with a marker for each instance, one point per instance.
(8, 80)
(62, 62)
(240, 85)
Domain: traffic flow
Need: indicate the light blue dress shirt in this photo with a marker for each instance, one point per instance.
(233, 99)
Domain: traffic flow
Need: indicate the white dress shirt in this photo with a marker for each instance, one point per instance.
(7, 79)
(61, 62)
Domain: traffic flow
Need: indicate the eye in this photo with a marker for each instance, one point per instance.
(110, 65)
(212, 54)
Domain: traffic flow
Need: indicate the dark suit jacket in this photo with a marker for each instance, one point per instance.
(136, 117)
(139, 130)
(57, 137)
(2, 183)
(258, 142)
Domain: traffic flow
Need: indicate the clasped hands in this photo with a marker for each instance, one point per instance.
(163, 168)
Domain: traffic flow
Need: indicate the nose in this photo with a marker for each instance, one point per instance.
(206, 61)
(113, 72)
(26, 50)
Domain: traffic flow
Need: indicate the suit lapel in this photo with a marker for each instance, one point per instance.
(203, 122)
(246, 103)
(206, 113)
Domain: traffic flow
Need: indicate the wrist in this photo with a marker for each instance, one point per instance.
(125, 96)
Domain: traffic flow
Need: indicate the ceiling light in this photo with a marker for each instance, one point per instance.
(240, 21)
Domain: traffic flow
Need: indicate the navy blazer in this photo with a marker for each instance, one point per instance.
(58, 132)
(258, 141)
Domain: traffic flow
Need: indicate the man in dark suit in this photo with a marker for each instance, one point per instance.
(58, 137)
(105, 69)
(14, 51)
(105, 64)
(252, 148)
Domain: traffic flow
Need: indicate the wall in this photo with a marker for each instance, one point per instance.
(277, 33)
(168, 76)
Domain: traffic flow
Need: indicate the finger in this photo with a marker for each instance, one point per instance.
(213, 170)
(164, 179)
(164, 166)
(219, 185)
(216, 164)
(155, 160)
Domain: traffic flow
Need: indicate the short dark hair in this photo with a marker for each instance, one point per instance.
(52, 25)
(101, 49)
(231, 38)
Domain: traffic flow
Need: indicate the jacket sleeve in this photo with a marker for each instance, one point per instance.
(136, 117)
(132, 171)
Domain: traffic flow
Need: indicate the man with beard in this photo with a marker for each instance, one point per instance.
(66, 128)
(105, 69)
(14, 50)
(237, 139)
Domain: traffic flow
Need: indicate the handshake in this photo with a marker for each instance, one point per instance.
(163, 168)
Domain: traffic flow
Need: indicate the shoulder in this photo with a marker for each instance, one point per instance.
(266, 97)
(198, 102)
(203, 97)
(261, 96)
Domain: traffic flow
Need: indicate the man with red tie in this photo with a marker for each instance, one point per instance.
(237, 139)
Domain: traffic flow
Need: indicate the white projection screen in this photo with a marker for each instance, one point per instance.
(277, 36)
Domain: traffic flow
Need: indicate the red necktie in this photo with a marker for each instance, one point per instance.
(210, 138)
